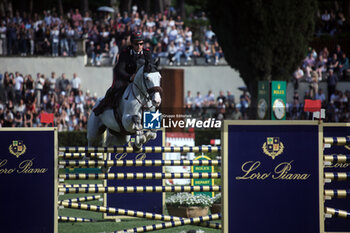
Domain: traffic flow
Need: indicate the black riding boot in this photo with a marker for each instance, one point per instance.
(106, 101)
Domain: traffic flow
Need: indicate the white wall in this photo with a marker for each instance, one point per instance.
(98, 79)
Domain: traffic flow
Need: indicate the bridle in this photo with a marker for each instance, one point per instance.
(149, 91)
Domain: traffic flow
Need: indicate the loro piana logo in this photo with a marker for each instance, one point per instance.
(273, 147)
(17, 148)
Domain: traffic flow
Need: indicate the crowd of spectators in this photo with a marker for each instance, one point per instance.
(331, 22)
(330, 68)
(23, 100)
(220, 107)
(105, 35)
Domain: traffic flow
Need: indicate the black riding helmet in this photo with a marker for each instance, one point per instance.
(136, 36)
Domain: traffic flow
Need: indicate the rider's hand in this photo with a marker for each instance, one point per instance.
(132, 77)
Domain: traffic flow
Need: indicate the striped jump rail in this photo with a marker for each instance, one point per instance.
(141, 189)
(337, 193)
(165, 225)
(337, 141)
(146, 149)
(132, 213)
(81, 199)
(337, 213)
(337, 158)
(149, 175)
(337, 176)
(80, 155)
(74, 219)
(80, 185)
(143, 163)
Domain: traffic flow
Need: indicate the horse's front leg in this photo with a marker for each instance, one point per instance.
(150, 134)
(132, 123)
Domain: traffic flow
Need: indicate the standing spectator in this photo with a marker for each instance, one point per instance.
(77, 18)
(63, 42)
(332, 83)
(297, 76)
(63, 84)
(209, 99)
(222, 97)
(75, 84)
(188, 101)
(52, 81)
(91, 52)
(198, 103)
(230, 99)
(113, 53)
(18, 87)
(39, 85)
(98, 52)
(9, 85)
(209, 35)
(55, 41)
(3, 42)
(244, 101)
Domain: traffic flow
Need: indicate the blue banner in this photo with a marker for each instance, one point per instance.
(148, 202)
(27, 176)
(337, 224)
(271, 177)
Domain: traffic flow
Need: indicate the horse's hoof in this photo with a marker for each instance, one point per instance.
(136, 146)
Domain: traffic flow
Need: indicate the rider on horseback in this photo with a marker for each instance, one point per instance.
(130, 60)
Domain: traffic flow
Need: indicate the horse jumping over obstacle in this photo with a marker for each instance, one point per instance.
(144, 93)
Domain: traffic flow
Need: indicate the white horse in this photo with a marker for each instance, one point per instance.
(144, 93)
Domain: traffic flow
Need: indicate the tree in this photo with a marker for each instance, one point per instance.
(263, 40)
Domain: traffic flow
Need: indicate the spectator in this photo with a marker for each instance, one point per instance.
(197, 50)
(9, 84)
(222, 97)
(297, 76)
(207, 52)
(343, 65)
(198, 103)
(218, 52)
(230, 100)
(64, 42)
(75, 84)
(77, 18)
(188, 52)
(332, 82)
(172, 49)
(55, 41)
(188, 101)
(18, 87)
(113, 53)
(209, 99)
(39, 85)
(52, 82)
(3, 41)
(28, 119)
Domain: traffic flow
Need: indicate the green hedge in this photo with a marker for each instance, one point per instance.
(74, 138)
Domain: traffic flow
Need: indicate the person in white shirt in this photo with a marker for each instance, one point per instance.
(76, 84)
(18, 87)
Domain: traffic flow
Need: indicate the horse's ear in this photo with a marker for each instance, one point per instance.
(157, 62)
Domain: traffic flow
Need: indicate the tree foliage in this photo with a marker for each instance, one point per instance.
(263, 40)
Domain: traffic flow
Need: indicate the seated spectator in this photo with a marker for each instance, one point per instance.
(172, 49)
(180, 51)
(220, 109)
(207, 52)
(18, 119)
(222, 97)
(217, 52)
(188, 52)
(197, 49)
(230, 99)
(343, 65)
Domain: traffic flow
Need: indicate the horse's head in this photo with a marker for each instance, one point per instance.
(151, 82)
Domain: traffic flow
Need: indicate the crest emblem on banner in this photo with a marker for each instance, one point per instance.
(273, 147)
(17, 148)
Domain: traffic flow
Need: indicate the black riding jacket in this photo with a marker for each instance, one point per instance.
(128, 64)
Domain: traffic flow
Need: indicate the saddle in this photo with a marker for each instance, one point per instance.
(111, 100)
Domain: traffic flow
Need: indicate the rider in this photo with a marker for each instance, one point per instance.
(130, 60)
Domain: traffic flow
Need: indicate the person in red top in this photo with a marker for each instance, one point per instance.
(130, 60)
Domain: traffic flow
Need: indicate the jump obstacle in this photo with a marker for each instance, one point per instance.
(97, 152)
